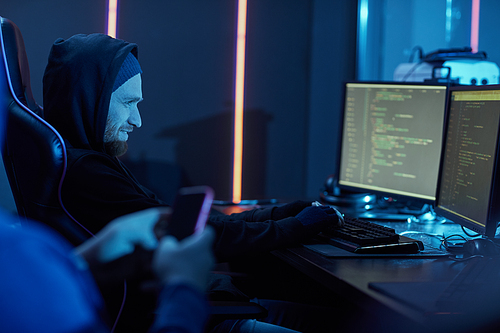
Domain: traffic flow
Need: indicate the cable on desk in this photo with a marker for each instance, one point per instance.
(457, 259)
(465, 232)
(445, 243)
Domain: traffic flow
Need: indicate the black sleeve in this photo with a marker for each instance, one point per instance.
(267, 213)
(253, 215)
(237, 238)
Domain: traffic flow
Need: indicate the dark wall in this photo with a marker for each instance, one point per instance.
(278, 61)
(333, 61)
(43, 21)
(298, 54)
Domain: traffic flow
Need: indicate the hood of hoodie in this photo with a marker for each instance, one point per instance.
(77, 86)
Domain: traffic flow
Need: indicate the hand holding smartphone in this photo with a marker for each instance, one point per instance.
(190, 211)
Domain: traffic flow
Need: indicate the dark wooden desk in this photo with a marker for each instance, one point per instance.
(351, 279)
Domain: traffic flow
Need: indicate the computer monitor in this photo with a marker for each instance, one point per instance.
(469, 187)
(392, 139)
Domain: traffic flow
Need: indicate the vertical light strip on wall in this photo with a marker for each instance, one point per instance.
(112, 17)
(474, 26)
(449, 11)
(239, 100)
(362, 63)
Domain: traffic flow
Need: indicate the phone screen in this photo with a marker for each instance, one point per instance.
(190, 211)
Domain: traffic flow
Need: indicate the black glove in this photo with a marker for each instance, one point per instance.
(320, 218)
(288, 210)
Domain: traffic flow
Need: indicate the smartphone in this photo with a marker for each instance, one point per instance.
(190, 211)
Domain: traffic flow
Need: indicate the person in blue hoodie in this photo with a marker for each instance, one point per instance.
(47, 285)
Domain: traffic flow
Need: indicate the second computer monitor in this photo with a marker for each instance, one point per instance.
(392, 138)
(469, 187)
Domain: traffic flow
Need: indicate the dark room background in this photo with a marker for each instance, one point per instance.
(298, 54)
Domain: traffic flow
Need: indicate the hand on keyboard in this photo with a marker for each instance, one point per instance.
(320, 218)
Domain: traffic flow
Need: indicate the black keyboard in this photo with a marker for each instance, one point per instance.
(473, 287)
(361, 236)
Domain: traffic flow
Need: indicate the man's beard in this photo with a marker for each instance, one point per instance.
(116, 148)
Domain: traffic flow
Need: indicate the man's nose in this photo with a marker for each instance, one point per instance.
(135, 118)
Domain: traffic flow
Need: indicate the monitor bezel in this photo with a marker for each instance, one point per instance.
(414, 200)
(493, 214)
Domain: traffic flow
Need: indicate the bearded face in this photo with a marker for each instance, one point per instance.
(123, 116)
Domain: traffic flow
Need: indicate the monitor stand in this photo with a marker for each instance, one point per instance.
(349, 200)
(428, 215)
(424, 216)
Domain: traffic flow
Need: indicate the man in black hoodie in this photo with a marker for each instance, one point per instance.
(91, 88)
(87, 87)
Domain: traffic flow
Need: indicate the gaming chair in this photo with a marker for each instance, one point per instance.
(34, 153)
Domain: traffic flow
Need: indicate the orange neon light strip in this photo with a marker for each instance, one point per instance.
(474, 29)
(112, 17)
(239, 100)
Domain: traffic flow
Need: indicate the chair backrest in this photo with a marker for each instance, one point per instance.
(34, 153)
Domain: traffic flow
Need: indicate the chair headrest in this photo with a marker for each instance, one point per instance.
(17, 62)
